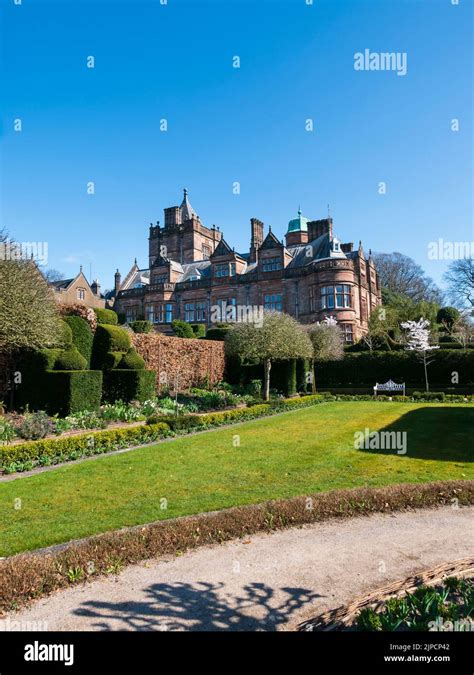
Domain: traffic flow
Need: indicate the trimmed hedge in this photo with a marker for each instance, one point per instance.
(364, 369)
(33, 366)
(112, 360)
(107, 316)
(71, 359)
(109, 339)
(82, 336)
(69, 391)
(128, 385)
(64, 339)
(26, 456)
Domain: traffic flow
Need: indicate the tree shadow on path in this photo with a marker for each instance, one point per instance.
(201, 606)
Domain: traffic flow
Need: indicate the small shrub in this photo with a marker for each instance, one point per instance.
(141, 326)
(35, 425)
(7, 431)
(217, 333)
(182, 329)
(199, 330)
(428, 396)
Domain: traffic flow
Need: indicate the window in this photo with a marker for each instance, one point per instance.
(348, 332)
(168, 313)
(160, 279)
(227, 309)
(273, 302)
(81, 293)
(336, 296)
(131, 314)
(232, 270)
(222, 270)
(206, 252)
(201, 310)
(189, 312)
(311, 298)
(150, 313)
(159, 316)
(271, 264)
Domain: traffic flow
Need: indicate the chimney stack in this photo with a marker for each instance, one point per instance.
(118, 281)
(256, 237)
(318, 227)
(95, 287)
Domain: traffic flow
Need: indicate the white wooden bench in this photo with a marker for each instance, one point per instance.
(389, 386)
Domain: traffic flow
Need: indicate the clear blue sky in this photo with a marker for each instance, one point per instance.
(227, 124)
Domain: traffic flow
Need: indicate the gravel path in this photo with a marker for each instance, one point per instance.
(267, 582)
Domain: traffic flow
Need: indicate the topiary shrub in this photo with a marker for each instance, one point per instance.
(128, 385)
(132, 361)
(141, 326)
(70, 359)
(112, 360)
(199, 330)
(33, 365)
(107, 316)
(182, 329)
(64, 338)
(217, 333)
(69, 391)
(108, 339)
(82, 336)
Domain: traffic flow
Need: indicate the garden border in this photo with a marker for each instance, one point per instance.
(24, 457)
(28, 576)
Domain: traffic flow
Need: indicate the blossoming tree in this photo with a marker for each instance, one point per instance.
(418, 341)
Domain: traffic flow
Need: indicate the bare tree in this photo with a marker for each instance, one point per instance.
(52, 275)
(401, 274)
(460, 280)
(328, 344)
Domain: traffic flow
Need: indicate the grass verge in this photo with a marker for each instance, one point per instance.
(32, 575)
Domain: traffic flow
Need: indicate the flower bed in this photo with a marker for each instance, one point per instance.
(27, 456)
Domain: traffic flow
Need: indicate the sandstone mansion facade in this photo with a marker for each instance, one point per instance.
(192, 271)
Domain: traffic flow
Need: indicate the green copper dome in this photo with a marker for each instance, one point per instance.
(299, 224)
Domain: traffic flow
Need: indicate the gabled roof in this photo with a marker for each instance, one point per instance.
(222, 248)
(62, 283)
(271, 241)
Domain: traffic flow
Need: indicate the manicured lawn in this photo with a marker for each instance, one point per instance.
(296, 453)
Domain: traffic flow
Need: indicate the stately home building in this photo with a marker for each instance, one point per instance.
(192, 272)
